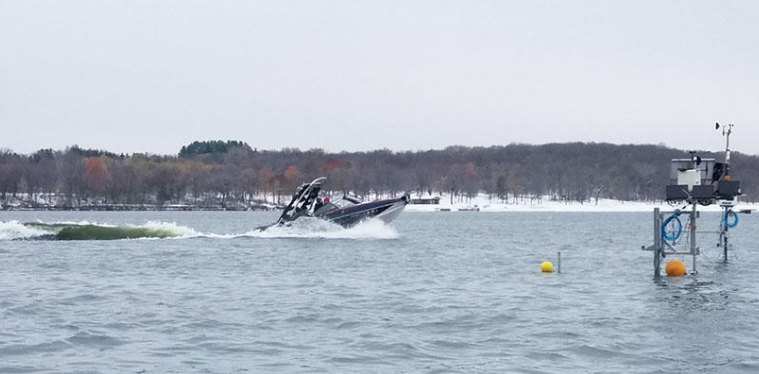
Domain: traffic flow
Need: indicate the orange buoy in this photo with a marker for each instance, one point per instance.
(675, 268)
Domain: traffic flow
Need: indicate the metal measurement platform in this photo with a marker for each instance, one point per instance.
(693, 182)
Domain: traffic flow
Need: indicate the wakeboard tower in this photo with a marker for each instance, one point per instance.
(346, 211)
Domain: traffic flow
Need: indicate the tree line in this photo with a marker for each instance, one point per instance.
(233, 173)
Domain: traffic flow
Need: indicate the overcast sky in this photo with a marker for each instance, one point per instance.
(151, 76)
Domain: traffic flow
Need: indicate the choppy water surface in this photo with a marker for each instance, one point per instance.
(433, 293)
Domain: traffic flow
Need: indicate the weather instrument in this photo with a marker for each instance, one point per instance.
(696, 181)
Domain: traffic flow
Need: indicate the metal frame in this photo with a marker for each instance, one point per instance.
(661, 247)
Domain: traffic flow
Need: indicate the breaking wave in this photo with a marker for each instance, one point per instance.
(320, 229)
(159, 230)
(16, 230)
(302, 228)
(88, 231)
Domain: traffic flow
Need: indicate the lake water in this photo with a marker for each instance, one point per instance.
(458, 292)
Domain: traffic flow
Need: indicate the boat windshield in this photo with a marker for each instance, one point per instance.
(341, 203)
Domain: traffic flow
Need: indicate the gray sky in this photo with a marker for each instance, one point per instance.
(150, 76)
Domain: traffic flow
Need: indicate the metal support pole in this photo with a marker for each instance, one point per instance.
(726, 131)
(725, 249)
(723, 234)
(693, 247)
(657, 242)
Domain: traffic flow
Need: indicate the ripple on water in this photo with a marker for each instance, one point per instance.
(742, 367)
(80, 299)
(20, 369)
(23, 349)
(85, 339)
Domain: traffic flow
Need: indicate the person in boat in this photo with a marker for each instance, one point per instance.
(321, 202)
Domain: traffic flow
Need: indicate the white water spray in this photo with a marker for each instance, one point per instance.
(320, 229)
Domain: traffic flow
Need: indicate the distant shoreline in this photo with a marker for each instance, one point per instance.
(137, 208)
(552, 207)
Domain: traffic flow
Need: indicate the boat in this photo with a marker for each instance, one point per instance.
(346, 211)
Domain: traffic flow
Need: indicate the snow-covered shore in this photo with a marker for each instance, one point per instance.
(484, 204)
(481, 203)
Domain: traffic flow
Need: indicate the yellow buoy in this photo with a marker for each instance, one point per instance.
(675, 268)
(546, 267)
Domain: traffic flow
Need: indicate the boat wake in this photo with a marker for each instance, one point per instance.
(305, 228)
(14, 230)
(312, 228)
